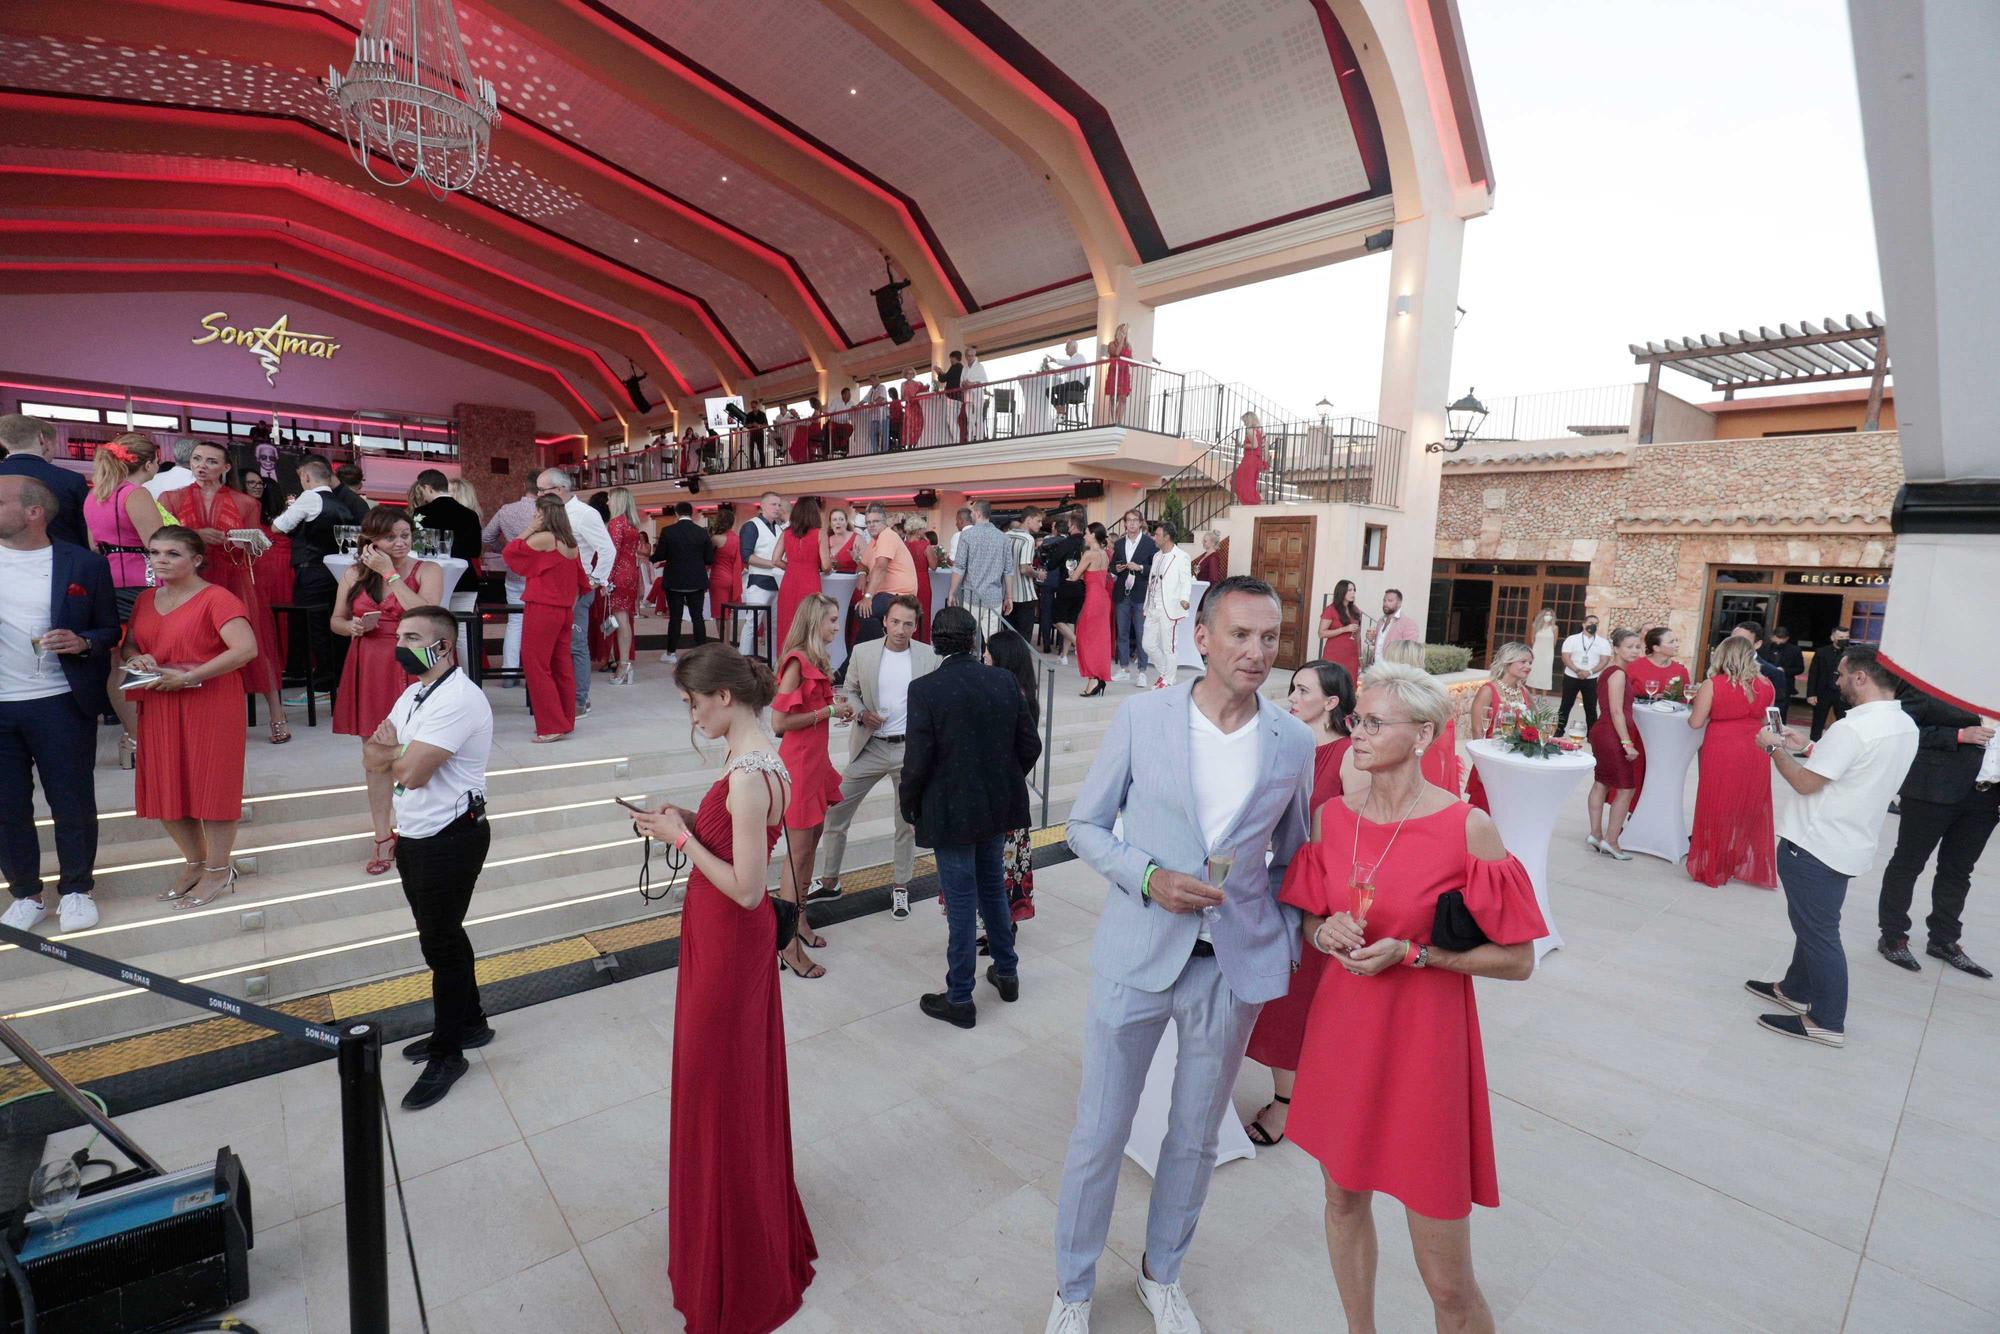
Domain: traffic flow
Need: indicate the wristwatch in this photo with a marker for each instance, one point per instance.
(1423, 959)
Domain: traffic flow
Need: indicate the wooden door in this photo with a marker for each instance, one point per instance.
(1511, 614)
(1281, 554)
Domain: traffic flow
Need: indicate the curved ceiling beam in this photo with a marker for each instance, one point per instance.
(55, 120)
(280, 207)
(918, 35)
(255, 32)
(631, 58)
(61, 277)
(36, 239)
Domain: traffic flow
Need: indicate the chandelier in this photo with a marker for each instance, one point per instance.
(409, 105)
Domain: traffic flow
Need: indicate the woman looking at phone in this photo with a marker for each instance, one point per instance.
(368, 604)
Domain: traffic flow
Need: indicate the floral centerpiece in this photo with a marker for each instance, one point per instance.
(1677, 691)
(1532, 732)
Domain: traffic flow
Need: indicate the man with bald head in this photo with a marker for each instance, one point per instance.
(593, 544)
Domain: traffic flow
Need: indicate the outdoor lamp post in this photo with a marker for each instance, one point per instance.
(1462, 420)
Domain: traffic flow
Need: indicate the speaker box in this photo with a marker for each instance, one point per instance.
(1090, 488)
(889, 305)
(924, 499)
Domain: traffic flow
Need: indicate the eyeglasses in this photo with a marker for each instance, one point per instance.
(1370, 725)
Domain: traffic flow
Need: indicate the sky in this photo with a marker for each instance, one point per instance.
(1661, 170)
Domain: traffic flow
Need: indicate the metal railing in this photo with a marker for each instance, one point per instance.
(1340, 460)
(1067, 398)
(1604, 411)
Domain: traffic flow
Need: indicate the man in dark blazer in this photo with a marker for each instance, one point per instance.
(1822, 688)
(25, 445)
(1946, 809)
(684, 553)
(56, 607)
(435, 507)
(969, 745)
(1132, 555)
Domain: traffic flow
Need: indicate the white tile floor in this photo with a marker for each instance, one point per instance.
(1664, 1164)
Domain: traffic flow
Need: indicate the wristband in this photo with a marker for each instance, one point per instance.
(1410, 954)
(681, 841)
(393, 579)
(1146, 883)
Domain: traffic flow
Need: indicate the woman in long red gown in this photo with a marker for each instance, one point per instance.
(1251, 468)
(1620, 752)
(1118, 375)
(739, 1249)
(546, 558)
(213, 511)
(1498, 702)
(190, 761)
(1733, 838)
(272, 571)
(368, 606)
(1093, 623)
(802, 556)
(725, 576)
(800, 715)
(922, 559)
(1209, 567)
(1340, 629)
(913, 412)
(1392, 1090)
(628, 545)
(1322, 697)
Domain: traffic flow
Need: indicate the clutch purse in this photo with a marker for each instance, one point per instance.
(1453, 927)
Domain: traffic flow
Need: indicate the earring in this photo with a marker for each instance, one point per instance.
(1420, 752)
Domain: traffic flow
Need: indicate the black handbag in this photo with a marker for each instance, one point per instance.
(1453, 927)
(783, 908)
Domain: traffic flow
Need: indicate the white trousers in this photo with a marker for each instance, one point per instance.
(510, 652)
(747, 634)
(1160, 639)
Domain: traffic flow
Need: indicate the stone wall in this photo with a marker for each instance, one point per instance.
(496, 452)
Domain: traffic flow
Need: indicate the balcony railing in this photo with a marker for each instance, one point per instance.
(1067, 398)
(1339, 460)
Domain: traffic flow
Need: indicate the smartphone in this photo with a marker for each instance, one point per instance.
(632, 806)
(1773, 720)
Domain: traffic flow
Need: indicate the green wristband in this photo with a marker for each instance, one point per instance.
(1146, 883)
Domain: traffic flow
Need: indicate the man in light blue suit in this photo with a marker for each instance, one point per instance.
(1208, 778)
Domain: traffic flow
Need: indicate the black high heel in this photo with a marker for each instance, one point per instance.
(1093, 693)
(1260, 1136)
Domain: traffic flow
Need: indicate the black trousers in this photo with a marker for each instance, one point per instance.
(315, 587)
(1573, 687)
(438, 874)
(1957, 831)
(1047, 621)
(1829, 708)
(1023, 619)
(688, 600)
(49, 737)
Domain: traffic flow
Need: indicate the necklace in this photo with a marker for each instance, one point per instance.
(1355, 854)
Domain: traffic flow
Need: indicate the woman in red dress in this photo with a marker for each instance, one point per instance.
(1652, 674)
(924, 559)
(545, 556)
(1392, 1079)
(1118, 375)
(1244, 481)
(1322, 697)
(1209, 567)
(739, 1249)
(802, 559)
(213, 511)
(628, 545)
(271, 571)
(1440, 761)
(1093, 623)
(190, 761)
(913, 410)
(804, 706)
(844, 546)
(1503, 698)
(1621, 760)
(725, 576)
(368, 605)
(1733, 837)
(1340, 629)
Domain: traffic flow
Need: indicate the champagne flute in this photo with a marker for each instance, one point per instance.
(53, 1191)
(35, 643)
(1361, 880)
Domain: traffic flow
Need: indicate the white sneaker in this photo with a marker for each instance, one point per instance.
(899, 903)
(1121, 675)
(76, 912)
(1068, 1317)
(24, 913)
(1169, 1305)
(670, 658)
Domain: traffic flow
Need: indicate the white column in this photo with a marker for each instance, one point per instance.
(1416, 386)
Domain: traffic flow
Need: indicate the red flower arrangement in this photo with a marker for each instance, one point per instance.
(1530, 733)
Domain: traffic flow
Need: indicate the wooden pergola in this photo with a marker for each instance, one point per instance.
(1842, 349)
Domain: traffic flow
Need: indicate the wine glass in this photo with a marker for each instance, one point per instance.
(35, 643)
(1653, 692)
(53, 1191)
(1361, 880)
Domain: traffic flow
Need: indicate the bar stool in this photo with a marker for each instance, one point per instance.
(762, 616)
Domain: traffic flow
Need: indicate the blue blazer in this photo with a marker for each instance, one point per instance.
(1142, 773)
(80, 599)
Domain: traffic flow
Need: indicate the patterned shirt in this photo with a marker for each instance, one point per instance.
(985, 557)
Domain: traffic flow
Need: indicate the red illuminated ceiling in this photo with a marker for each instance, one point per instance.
(704, 190)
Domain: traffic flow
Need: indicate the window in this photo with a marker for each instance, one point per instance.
(1865, 625)
(1566, 601)
(143, 421)
(208, 426)
(1374, 546)
(61, 412)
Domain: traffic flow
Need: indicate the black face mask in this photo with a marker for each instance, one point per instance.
(417, 661)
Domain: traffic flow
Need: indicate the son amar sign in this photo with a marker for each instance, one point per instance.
(269, 344)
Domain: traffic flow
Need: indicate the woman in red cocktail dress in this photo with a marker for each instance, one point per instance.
(1503, 698)
(1340, 629)
(843, 548)
(1244, 482)
(1652, 674)
(212, 510)
(1733, 838)
(1322, 697)
(802, 558)
(800, 715)
(1391, 1092)
(1093, 623)
(628, 547)
(1118, 374)
(923, 559)
(190, 760)
(1615, 741)
(725, 576)
(739, 1249)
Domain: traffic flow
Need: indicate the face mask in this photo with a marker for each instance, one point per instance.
(417, 661)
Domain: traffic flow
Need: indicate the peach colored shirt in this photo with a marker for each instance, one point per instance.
(890, 569)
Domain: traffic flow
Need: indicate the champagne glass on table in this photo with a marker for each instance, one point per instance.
(1653, 690)
(53, 1191)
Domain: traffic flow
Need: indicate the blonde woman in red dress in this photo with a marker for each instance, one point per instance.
(800, 713)
(1615, 741)
(368, 605)
(1441, 765)
(1322, 697)
(1733, 836)
(1118, 375)
(739, 1249)
(1391, 1092)
(1504, 697)
(628, 546)
(213, 511)
(923, 559)
(190, 761)
(1251, 468)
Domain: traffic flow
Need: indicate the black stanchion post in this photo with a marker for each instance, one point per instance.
(361, 1157)
(1048, 740)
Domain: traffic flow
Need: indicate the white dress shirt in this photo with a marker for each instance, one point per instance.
(453, 715)
(303, 510)
(1587, 651)
(1864, 758)
(169, 479)
(592, 538)
(26, 583)
(1223, 774)
(892, 693)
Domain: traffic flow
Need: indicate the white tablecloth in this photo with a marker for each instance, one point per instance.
(839, 587)
(1658, 825)
(1149, 1123)
(1525, 795)
(452, 565)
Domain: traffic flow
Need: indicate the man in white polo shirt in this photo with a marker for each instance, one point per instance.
(435, 742)
(1584, 655)
(1829, 818)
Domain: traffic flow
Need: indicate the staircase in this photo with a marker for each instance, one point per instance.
(1340, 460)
